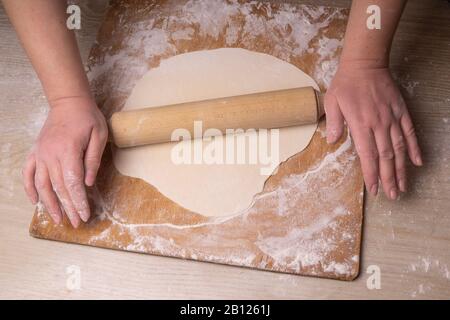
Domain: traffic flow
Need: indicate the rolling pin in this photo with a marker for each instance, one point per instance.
(263, 110)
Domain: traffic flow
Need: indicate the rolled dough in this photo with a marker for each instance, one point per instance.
(215, 189)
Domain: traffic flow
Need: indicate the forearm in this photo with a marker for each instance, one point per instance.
(371, 47)
(51, 47)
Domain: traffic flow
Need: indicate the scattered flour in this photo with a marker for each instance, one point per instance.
(6, 148)
(406, 83)
(428, 264)
(286, 29)
(327, 64)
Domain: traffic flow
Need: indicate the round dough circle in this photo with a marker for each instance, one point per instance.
(210, 190)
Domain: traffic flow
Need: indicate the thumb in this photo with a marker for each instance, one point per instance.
(93, 157)
(334, 118)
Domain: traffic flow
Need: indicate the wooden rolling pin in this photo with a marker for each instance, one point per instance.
(265, 110)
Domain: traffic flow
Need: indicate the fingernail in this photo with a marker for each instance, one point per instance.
(402, 185)
(374, 189)
(90, 180)
(73, 218)
(84, 215)
(419, 161)
(393, 194)
(56, 218)
(75, 224)
(331, 136)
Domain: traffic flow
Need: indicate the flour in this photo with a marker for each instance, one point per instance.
(338, 268)
(407, 83)
(212, 16)
(41, 215)
(288, 30)
(183, 34)
(142, 240)
(328, 63)
(6, 148)
(427, 264)
(304, 247)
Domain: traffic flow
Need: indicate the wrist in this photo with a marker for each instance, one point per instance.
(75, 101)
(356, 63)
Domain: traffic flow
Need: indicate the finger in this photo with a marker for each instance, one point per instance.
(93, 157)
(368, 155)
(386, 162)
(46, 194)
(398, 144)
(334, 118)
(73, 174)
(409, 133)
(63, 195)
(28, 173)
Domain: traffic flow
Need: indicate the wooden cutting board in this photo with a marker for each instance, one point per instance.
(308, 218)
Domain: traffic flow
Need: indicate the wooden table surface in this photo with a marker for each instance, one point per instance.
(408, 240)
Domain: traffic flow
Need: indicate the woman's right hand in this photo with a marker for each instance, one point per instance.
(66, 157)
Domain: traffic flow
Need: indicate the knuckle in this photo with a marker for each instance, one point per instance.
(397, 112)
(93, 161)
(47, 153)
(58, 187)
(380, 117)
(367, 124)
(399, 146)
(364, 122)
(72, 183)
(70, 148)
(72, 179)
(103, 134)
(42, 184)
(369, 154)
(386, 154)
(52, 207)
(410, 132)
(385, 121)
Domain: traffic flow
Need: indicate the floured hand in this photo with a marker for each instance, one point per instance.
(371, 104)
(66, 158)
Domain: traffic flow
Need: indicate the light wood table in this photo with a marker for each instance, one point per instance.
(408, 240)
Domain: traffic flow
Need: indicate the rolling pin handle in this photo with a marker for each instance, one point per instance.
(320, 104)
